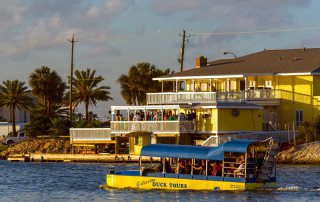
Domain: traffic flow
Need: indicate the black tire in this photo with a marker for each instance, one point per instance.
(10, 143)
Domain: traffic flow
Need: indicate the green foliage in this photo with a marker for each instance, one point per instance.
(3, 147)
(138, 82)
(60, 126)
(86, 89)
(14, 95)
(38, 124)
(92, 122)
(49, 88)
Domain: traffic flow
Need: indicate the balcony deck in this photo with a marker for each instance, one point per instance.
(164, 127)
(258, 96)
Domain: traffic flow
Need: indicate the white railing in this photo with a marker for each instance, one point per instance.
(210, 97)
(261, 94)
(89, 134)
(152, 126)
(279, 136)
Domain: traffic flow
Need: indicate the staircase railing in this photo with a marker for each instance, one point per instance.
(268, 167)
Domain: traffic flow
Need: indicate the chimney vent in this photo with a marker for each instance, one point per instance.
(201, 61)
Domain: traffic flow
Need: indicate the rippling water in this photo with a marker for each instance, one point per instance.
(80, 182)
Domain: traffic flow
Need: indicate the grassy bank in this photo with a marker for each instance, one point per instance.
(3, 147)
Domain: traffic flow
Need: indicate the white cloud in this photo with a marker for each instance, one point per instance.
(232, 15)
(115, 7)
(48, 24)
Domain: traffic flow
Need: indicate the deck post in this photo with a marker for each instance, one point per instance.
(206, 167)
(245, 164)
(163, 165)
(178, 166)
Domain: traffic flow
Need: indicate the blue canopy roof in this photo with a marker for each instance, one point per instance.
(175, 151)
(196, 152)
(239, 146)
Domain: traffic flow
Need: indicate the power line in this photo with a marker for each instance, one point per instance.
(255, 32)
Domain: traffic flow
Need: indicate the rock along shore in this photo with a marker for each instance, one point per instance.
(39, 145)
(308, 153)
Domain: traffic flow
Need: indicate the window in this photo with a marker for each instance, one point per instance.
(252, 84)
(204, 87)
(233, 85)
(299, 117)
(268, 84)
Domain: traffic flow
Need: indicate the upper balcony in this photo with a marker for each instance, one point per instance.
(257, 96)
(158, 127)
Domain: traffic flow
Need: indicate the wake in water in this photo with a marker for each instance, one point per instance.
(292, 188)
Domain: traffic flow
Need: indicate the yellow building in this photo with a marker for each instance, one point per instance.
(264, 91)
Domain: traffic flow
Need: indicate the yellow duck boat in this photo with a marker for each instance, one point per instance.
(234, 165)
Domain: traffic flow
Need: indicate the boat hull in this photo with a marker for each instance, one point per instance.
(166, 183)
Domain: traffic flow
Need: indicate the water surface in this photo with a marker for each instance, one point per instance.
(81, 182)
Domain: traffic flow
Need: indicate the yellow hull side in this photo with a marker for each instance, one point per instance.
(147, 183)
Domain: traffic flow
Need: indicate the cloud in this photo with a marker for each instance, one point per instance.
(231, 15)
(11, 15)
(46, 24)
(105, 50)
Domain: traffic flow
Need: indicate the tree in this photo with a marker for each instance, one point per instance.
(14, 95)
(86, 89)
(49, 88)
(138, 82)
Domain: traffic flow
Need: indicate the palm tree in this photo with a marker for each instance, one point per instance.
(87, 91)
(138, 82)
(14, 94)
(48, 87)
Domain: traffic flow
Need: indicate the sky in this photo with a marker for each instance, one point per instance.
(113, 35)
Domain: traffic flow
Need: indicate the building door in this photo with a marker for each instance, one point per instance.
(242, 85)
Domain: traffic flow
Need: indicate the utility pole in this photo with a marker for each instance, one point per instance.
(182, 49)
(183, 44)
(72, 41)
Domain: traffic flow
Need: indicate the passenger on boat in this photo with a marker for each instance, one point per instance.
(187, 167)
(240, 159)
(239, 170)
(182, 167)
(216, 169)
(199, 168)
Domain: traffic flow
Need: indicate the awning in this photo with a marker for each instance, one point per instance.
(238, 146)
(175, 151)
(196, 152)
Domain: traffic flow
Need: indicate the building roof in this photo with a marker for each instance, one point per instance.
(268, 62)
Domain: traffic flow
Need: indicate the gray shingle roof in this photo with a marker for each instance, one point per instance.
(263, 62)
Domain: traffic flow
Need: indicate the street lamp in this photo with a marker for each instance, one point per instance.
(231, 53)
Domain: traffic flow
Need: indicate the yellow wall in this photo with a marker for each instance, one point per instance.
(296, 94)
(145, 141)
(248, 120)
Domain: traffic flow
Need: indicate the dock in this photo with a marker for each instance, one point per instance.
(22, 158)
(102, 158)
